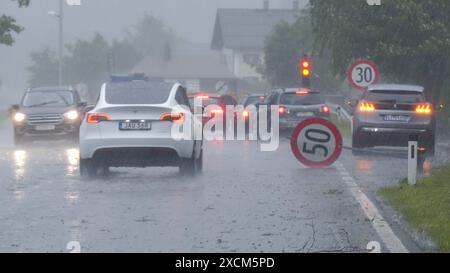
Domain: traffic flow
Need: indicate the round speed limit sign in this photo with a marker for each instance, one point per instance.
(316, 143)
(362, 74)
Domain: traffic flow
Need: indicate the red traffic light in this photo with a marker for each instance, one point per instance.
(306, 64)
(305, 67)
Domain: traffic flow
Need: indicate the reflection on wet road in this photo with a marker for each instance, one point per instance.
(245, 201)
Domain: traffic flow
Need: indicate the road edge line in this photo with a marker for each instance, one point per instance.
(391, 241)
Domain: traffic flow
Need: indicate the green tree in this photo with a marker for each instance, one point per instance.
(92, 61)
(8, 25)
(149, 36)
(409, 39)
(44, 70)
(87, 61)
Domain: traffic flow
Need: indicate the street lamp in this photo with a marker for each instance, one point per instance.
(60, 16)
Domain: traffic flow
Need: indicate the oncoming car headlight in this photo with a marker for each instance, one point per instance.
(72, 115)
(19, 117)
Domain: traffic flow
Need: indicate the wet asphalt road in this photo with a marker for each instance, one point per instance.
(245, 201)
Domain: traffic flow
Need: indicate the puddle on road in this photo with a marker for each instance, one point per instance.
(365, 166)
(73, 159)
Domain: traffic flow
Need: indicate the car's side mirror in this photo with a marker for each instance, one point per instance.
(14, 108)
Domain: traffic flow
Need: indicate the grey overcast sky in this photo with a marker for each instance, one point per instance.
(191, 19)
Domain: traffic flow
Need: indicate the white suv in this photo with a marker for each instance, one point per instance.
(131, 126)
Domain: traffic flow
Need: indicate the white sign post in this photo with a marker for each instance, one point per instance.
(412, 162)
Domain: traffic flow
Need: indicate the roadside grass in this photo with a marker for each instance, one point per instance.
(425, 206)
(343, 125)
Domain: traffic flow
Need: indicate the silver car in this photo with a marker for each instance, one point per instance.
(389, 114)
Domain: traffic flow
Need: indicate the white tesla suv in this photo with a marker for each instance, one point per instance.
(131, 126)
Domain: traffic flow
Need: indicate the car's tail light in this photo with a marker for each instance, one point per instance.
(366, 107)
(325, 109)
(283, 110)
(174, 118)
(97, 118)
(202, 97)
(217, 112)
(424, 109)
(302, 92)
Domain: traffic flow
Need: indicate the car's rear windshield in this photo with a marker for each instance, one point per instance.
(138, 92)
(254, 100)
(396, 97)
(302, 99)
(48, 99)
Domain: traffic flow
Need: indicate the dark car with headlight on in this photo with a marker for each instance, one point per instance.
(47, 111)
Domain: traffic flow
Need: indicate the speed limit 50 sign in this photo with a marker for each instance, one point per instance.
(363, 73)
(316, 143)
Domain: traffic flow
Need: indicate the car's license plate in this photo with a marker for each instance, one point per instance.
(135, 126)
(45, 127)
(396, 118)
(304, 114)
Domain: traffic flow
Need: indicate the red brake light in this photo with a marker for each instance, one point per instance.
(302, 92)
(425, 109)
(174, 118)
(202, 97)
(97, 118)
(325, 109)
(366, 107)
(282, 110)
(217, 112)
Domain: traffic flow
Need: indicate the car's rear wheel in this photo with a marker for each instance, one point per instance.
(90, 169)
(87, 169)
(200, 162)
(190, 167)
(357, 144)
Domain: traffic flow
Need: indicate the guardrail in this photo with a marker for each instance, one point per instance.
(340, 111)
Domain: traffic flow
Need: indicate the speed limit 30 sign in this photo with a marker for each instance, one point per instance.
(316, 143)
(363, 73)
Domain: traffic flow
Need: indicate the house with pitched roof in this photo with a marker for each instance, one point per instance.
(240, 35)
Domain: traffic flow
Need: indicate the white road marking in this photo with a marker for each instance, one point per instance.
(390, 240)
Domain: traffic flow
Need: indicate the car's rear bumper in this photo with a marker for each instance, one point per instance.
(137, 157)
(90, 146)
(380, 136)
(290, 124)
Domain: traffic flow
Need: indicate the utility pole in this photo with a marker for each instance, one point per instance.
(61, 42)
